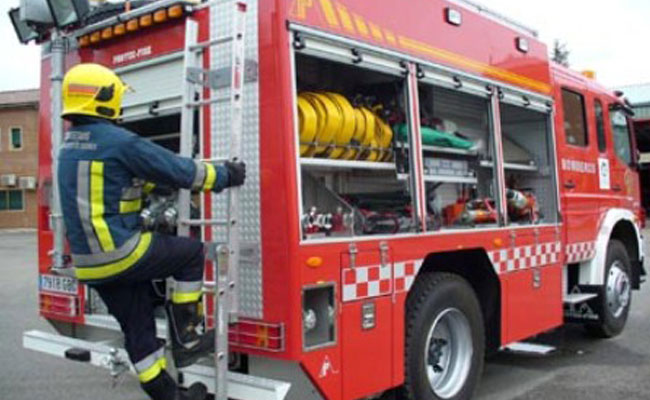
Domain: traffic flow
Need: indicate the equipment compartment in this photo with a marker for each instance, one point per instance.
(528, 166)
(457, 145)
(350, 172)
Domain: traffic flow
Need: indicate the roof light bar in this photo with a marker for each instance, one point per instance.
(146, 20)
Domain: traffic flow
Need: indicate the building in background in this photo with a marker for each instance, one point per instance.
(639, 97)
(18, 158)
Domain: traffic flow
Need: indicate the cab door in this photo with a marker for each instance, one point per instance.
(579, 173)
(625, 179)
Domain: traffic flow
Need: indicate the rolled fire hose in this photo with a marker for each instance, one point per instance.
(344, 135)
(370, 139)
(384, 138)
(326, 118)
(330, 118)
(308, 124)
(359, 136)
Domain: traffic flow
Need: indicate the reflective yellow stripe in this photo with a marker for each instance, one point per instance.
(148, 187)
(210, 176)
(108, 270)
(130, 206)
(152, 372)
(97, 206)
(188, 297)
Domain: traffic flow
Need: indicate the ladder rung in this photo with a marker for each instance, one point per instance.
(209, 287)
(201, 222)
(209, 43)
(208, 101)
(213, 160)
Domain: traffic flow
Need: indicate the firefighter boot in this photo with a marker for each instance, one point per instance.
(187, 344)
(163, 387)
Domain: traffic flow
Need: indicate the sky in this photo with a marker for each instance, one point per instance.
(610, 37)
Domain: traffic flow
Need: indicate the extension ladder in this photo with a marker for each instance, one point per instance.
(197, 82)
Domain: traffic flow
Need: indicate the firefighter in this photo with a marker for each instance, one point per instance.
(103, 172)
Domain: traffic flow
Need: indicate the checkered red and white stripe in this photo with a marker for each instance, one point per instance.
(364, 282)
(405, 273)
(523, 257)
(376, 280)
(576, 252)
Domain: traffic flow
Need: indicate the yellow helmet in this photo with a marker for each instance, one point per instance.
(92, 89)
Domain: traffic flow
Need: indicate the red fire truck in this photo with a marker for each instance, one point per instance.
(426, 188)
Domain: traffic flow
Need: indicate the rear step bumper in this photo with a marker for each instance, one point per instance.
(101, 354)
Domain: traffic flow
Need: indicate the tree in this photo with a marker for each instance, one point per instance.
(560, 53)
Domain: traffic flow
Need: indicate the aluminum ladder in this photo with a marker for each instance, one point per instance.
(196, 82)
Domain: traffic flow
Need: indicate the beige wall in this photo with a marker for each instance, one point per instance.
(22, 162)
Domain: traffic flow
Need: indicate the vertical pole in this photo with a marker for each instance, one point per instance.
(187, 120)
(498, 157)
(56, 80)
(416, 175)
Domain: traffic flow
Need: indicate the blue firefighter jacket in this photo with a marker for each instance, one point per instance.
(102, 172)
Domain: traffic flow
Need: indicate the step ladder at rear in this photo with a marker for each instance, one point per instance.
(108, 355)
(577, 298)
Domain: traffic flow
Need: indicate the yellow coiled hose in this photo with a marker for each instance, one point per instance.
(330, 126)
(307, 123)
(344, 134)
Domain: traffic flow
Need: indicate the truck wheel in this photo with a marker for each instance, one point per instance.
(445, 340)
(615, 296)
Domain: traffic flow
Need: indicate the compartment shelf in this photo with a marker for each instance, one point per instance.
(511, 166)
(445, 150)
(326, 163)
(444, 178)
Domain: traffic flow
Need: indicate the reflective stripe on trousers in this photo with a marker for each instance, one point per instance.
(151, 366)
(187, 292)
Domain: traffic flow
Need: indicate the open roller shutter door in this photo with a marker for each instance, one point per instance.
(156, 87)
(335, 48)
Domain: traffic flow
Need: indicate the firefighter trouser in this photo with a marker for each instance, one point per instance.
(130, 297)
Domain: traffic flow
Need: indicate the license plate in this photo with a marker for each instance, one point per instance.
(58, 284)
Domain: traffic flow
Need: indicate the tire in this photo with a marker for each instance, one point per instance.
(443, 323)
(615, 297)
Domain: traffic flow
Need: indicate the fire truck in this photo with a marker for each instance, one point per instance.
(425, 189)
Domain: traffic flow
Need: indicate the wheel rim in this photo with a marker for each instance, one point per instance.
(448, 353)
(618, 289)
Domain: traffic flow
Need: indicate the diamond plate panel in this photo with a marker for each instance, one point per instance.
(250, 269)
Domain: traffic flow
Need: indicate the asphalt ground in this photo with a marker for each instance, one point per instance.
(580, 369)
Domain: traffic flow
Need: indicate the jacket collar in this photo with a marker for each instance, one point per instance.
(78, 120)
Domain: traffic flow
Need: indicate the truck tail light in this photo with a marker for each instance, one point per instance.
(257, 335)
(132, 25)
(59, 304)
(95, 37)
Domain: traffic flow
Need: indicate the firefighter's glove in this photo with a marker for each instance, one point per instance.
(236, 173)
